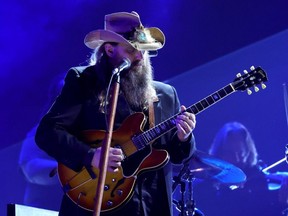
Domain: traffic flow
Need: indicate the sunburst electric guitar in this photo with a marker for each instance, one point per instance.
(136, 145)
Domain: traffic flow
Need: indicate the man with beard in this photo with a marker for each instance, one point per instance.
(83, 104)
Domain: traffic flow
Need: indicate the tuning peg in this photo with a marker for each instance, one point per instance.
(252, 68)
(238, 75)
(256, 89)
(245, 72)
(249, 92)
(263, 86)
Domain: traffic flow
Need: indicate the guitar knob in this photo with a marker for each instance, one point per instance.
(119, 192)
(106, 187)
(256, 89)
(109, 203)
(263, 85)
(252, 68)
(245, 72)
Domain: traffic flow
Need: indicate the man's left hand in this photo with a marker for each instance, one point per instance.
(185, 123)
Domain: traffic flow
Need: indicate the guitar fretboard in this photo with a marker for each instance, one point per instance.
(148, 136)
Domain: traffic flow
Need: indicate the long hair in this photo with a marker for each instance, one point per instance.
(100, 60)
(97, 54)
(218, 146)
(137, 86)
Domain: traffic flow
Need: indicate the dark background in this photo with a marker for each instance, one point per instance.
(41, 39)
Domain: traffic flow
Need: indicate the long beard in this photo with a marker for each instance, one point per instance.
(137, 86)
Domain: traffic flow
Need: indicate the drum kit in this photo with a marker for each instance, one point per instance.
(202, 166)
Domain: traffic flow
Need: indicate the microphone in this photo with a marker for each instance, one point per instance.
(125, 64)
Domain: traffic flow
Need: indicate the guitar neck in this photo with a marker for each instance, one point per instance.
(153, 133)
(210, 100)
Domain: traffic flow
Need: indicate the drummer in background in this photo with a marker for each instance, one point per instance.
(234, 144)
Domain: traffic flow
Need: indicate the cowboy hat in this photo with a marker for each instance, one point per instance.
(124, 27)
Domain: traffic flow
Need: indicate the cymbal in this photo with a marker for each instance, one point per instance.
(205, 166)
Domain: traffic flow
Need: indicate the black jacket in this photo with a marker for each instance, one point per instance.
(77, 109)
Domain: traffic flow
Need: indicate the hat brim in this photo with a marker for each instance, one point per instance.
(95, 38)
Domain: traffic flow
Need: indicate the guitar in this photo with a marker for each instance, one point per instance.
(136, 145)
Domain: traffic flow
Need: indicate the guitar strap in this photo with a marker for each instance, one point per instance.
(151, 112)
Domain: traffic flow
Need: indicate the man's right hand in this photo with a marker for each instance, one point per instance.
(115, 156)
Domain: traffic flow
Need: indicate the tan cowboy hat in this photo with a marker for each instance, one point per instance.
(124, 27)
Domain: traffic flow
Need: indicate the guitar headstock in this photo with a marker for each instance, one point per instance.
(248, 79)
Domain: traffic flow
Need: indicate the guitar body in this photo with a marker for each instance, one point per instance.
(81, 187)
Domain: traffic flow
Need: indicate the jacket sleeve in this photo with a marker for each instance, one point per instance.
(56, 133)
(179, 151)
(168, 106)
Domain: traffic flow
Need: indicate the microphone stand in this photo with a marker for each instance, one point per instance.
(105, 148)
(190, 204)
(186, 207)
(178, 180)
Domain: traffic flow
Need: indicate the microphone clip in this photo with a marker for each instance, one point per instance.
(124, 65)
